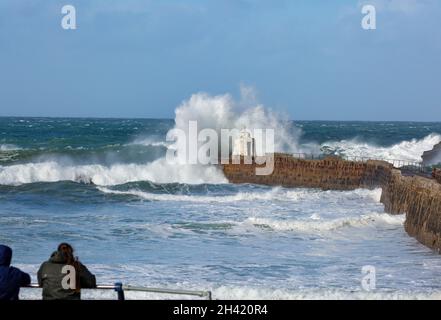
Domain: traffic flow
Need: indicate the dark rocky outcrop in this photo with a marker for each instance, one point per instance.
(433, 156)
(436, 174)
(418, 197)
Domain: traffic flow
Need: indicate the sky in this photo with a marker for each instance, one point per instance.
(309, 59)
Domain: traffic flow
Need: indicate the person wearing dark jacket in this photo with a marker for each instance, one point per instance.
(52, 275)
(11, 279)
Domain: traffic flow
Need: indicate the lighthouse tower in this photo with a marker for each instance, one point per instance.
(244, 145)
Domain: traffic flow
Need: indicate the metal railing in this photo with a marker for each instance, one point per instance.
(120, 289)
(405, 164)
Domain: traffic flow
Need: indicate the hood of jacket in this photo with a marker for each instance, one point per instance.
(5, 256)
(57, 257)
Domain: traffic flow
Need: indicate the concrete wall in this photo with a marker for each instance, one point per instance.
(418, 197)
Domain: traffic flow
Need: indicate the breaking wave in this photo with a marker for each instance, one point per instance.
(9, 147)
(411, 150)
(315, 225)
(158, 171)
(274, 194)
(150, 141)
(312, 226)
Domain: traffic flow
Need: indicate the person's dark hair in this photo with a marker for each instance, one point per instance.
(68, 252)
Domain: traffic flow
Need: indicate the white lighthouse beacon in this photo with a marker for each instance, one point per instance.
(244, 145)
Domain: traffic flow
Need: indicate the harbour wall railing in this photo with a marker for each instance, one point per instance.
(120, 289)
(397, 163)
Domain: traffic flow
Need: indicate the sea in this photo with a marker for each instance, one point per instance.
(105, 186)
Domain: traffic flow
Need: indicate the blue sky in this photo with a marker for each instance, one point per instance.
(310, 59)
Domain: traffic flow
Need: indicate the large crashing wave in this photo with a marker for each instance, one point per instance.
(223, 112)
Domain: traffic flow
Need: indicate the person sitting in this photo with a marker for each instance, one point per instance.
(63, 275)
(11, 279)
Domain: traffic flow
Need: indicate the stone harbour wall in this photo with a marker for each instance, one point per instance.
(328, 174)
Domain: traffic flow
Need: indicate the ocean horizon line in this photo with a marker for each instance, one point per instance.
(171, 119)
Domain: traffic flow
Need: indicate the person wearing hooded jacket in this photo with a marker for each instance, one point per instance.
(51, 275)
(11, 278)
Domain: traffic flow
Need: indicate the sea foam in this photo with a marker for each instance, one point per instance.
(158, 171)
(410, 150)
(9, 147)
